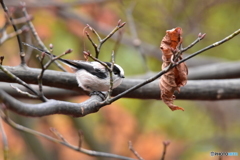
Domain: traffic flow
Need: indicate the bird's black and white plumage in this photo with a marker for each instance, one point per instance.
(91, 76)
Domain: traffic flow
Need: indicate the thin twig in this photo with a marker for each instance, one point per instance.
(95, 59)
(95, 32)
(165, 145)
(111, 75)
(22, 54)
(35, 35)
(209, 47)
(200, 37)
(6, 36)
(40, 76)
(93, 43)
(23, 92)
(97, 47)
(45, 67)
(119, 26)
(18, 80)
(130, 146)
(57, 134)
(76, 148)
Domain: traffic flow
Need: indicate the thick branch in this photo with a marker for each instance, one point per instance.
(51, 106)
(198, 90)
(194, 90)
(215, 71)
(224, 70)
(49, 92)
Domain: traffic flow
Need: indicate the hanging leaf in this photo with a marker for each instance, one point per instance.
(177, 76)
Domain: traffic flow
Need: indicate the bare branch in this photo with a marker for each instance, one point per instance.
(215, 71)
(35, 34)
(6, 36)
(64, 143)
(97, 47)
(93, 43)
(111, 75)
(194, 90)
(165, 145)
(119, 26)
(51, 106)
(95, 32)
(224, 70)
(23, 92)
(57, 134)
(49, 92)
(210, 46)
(95, 59)
(45, 67)
(22, 54)
(200, 37)
(18, 80)
(41, 58)
(134, 151)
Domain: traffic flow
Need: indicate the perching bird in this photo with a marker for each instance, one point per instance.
(91, 76)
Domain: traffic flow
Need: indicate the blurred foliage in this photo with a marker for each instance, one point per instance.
(203, 126)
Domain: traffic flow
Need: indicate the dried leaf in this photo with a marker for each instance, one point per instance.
(176, 77)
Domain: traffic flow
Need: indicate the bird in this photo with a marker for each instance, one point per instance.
(91, 76)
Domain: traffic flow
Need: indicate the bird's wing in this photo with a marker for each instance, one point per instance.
(98, 72)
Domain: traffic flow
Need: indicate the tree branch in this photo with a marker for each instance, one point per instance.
(22, 54)
(222, 70)
(194, 90)
(51, 107)
(64, 143)
(49, 92)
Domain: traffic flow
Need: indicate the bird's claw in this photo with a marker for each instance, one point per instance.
(100, 94)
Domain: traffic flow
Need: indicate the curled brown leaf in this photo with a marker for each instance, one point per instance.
(177, 76)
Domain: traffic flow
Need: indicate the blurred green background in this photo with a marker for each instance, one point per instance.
(203, 127)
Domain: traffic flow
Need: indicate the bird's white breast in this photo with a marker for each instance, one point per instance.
(90, 82)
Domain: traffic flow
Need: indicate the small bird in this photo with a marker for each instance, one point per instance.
(91, 76)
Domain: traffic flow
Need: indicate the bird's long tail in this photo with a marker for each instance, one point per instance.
(67, 62)
(39, 49)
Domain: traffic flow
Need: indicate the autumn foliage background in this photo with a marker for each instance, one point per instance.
(203, 127)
